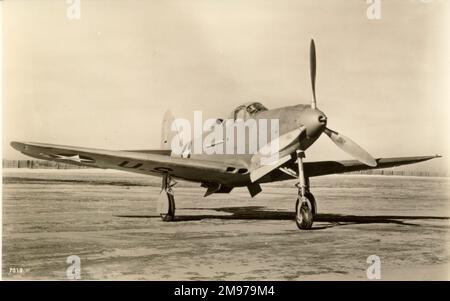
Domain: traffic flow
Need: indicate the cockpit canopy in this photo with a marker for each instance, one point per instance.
(247, 110)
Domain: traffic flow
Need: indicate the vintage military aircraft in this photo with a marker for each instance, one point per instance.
(299, 127)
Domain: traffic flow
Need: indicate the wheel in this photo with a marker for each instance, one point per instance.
(312, 199)
(304, 213)
(168, 213)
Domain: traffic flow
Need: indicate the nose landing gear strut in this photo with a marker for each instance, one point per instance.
(305, 207)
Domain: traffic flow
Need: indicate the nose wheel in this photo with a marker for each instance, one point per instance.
(166, 199)
(304, 211)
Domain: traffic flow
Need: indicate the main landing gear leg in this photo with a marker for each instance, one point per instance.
(305, 207)
(166, 199)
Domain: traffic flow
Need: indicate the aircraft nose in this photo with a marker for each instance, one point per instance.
(315, 122)
(318, 118)
(322, 119)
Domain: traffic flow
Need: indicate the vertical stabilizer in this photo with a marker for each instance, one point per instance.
(166, 132)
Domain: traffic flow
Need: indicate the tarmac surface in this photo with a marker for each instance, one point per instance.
(109, 220)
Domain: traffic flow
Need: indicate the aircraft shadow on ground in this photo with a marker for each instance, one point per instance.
(261, 213)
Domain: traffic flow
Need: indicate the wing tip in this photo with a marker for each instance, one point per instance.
(17, 145)
(426, 158)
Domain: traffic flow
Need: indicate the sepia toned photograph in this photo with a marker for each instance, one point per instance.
(293, 140)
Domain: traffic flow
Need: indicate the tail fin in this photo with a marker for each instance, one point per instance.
(166, 132)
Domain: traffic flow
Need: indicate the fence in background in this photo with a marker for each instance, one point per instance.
(393, 172)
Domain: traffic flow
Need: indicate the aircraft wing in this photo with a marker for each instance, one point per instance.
(320, 168)
(146, 162)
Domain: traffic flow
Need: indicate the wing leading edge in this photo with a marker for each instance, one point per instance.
(321, 168)
(151, 163)
(202, 171)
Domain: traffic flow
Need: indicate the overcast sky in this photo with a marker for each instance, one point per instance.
(106, 79)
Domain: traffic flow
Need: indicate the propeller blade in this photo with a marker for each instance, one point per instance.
(351, 148)
(271, 155)
(312, 66)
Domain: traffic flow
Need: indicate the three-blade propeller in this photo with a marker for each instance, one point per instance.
(343, 142)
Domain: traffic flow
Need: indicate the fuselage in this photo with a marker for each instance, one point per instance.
(288, 119)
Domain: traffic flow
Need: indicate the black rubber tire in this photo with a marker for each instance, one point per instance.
(312, 199)
(170, 215)
(303, 213)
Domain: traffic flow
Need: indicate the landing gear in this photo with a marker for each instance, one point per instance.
(305, 208)
(166, 200)
(304, 212)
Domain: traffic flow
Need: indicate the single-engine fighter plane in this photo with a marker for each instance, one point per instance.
(299, 127)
